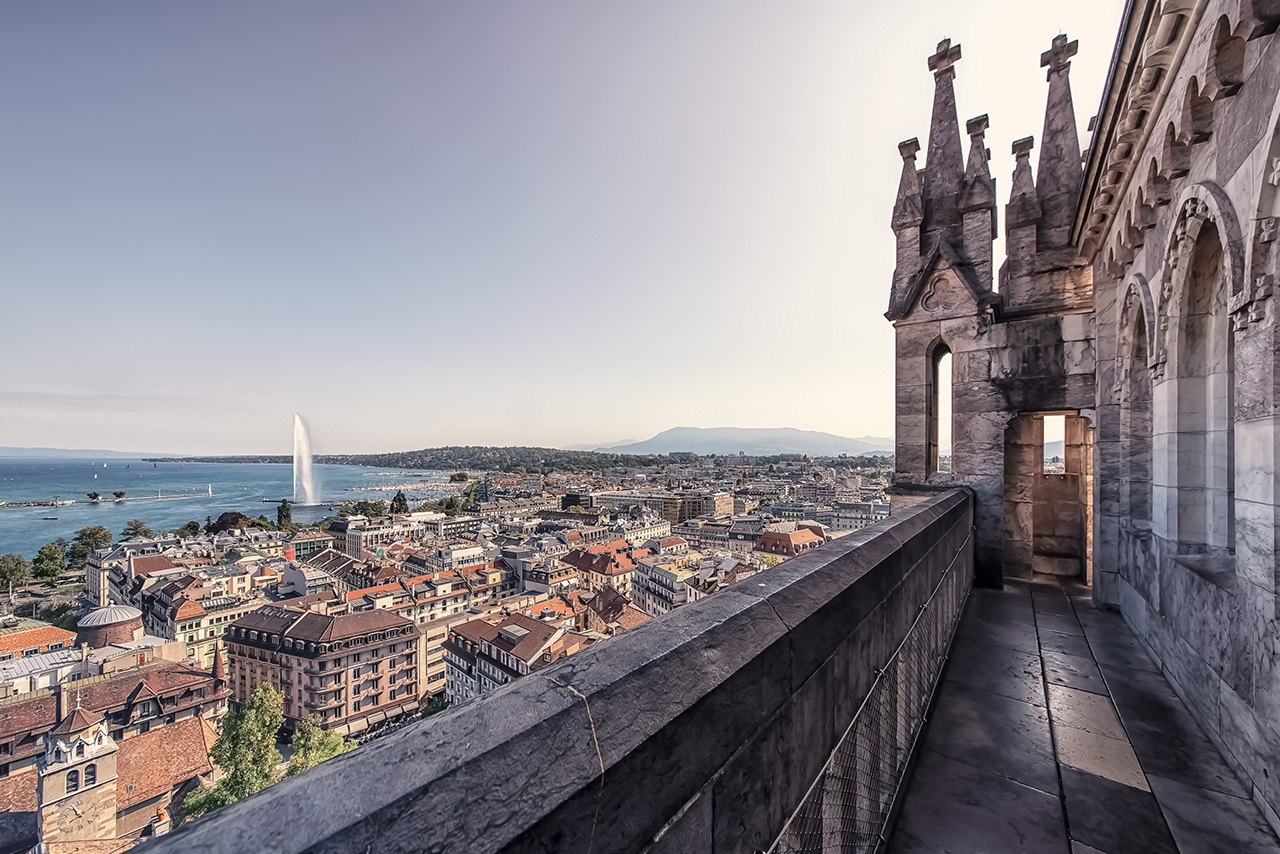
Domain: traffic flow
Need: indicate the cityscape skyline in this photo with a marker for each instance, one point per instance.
(415, 207)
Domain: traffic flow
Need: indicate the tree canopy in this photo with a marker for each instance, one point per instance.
(50, 562)
(284, 514)
(313, 744)
(371, 508)
(14, 569)
(245, 751)
(86, 542)
(136, 528)
(399, 504)
(191, 529)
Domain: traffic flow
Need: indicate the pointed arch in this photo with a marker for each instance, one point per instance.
(939, 396)
(1225, 72)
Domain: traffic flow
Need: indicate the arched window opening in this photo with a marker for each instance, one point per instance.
(73, 781)
(1205, 453)
(940, 410)
(1055, 435)
(1135, 425)
(91, 775)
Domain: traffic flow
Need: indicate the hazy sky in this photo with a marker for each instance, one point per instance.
(427, 223)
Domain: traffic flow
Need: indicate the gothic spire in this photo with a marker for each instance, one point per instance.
(979, 188)
(1024, 203)
(1060, 174)
(907, 209)
(944, 170)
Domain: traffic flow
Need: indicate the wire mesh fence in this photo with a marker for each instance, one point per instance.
(848, 806)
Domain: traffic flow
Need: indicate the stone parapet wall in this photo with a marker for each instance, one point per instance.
(701, 730)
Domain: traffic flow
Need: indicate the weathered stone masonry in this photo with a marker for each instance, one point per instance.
(1136, 299)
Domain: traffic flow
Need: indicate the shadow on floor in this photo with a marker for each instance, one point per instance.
(1053, 731)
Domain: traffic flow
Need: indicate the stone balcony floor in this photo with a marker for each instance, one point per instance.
(1054, 731)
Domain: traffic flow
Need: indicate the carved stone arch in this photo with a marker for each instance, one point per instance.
(1262, 258)
(1156, 185)
(1202, 202)
(1197, 115)
(1224, 72)
(1144, 210)
(1136, 300)
(1132, 235)
(1175, 158)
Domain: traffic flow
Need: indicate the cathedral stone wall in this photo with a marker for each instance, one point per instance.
(1177, 216)
(1135, 301)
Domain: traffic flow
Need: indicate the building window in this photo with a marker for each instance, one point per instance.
(939, 419)
(79, 750)
(73, 781)
(90, 775)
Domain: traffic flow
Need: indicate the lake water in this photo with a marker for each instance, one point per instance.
(236, 486)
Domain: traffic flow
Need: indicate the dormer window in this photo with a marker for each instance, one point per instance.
(80, 750)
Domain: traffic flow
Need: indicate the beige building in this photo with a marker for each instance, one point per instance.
(353, 670)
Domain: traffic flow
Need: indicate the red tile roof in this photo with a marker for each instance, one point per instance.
(41, 637)
(151, 563)
(160, 760)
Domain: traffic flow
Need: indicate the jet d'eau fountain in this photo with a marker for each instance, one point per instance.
(304, 485)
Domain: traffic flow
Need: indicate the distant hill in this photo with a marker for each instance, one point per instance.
(75, 453)
(755, 441)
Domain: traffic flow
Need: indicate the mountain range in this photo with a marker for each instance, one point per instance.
(753, 441)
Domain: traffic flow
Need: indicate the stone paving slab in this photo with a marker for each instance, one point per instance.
(1040, 680)
(1074, 672)
(997, 669)
(1113, 817)
(996, 733)
(1207, 822)
(955, 807)
(1084, 710)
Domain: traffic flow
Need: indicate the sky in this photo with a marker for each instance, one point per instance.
(421, 224)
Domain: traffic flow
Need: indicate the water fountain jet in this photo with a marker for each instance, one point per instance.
(304, 486)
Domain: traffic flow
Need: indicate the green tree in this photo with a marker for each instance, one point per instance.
(86, 542)
(458, 477)
(136, 528)
(245, 751)
(191, 529)
(49, 562)
(399, 504)
(435, 705)
(120, 493)
(371, 508)
(14, 569)
(94, 496)
(229, 521)
(313, 744)
(284, 514)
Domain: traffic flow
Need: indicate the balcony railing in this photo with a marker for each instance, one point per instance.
(777, 714)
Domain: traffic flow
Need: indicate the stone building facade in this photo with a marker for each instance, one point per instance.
(1135, 301)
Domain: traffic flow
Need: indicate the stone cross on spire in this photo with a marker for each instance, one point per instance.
(1058, 56)
(940, 63)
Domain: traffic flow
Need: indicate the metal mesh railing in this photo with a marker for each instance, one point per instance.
(848, 806)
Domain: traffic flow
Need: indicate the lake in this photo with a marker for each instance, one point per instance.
(235, 486)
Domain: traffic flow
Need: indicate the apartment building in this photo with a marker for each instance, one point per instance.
(361, 537)
(353, 669)
(658, 583)
(483, 655)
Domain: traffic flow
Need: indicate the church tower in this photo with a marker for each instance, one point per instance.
(77, 785)
(986, 366)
